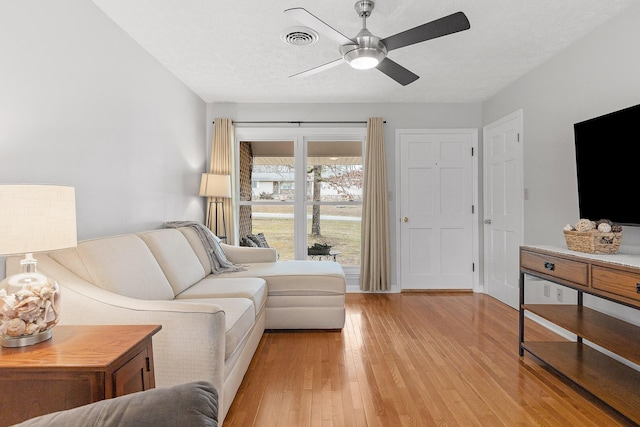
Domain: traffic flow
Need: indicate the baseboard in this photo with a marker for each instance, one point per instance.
(438, 291)
(353, 284)
(354, 288)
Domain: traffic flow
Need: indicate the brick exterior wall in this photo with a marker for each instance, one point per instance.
(246, 167)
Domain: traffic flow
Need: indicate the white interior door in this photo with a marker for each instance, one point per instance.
(436, 246)
(503, 206)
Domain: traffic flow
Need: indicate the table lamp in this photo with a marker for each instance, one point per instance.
(33, 218)
(217, 187)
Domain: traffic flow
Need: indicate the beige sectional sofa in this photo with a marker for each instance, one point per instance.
(211, 323)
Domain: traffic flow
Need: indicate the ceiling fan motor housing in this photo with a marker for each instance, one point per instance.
(368, 53)
(369, 50)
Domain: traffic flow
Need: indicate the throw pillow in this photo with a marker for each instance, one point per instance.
(259, 240)
(246, 241)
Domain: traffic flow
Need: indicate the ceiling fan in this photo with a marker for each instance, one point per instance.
(367, 51)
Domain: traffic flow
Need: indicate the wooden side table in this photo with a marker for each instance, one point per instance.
(77, 366)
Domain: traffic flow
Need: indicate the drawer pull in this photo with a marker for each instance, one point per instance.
(549, 266)
(638, 288)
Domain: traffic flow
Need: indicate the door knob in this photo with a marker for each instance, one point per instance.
(487, 221)
(405, 219)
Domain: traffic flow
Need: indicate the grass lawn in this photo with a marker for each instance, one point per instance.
(343, 236)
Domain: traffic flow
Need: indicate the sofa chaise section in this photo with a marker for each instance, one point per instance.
(302, 294)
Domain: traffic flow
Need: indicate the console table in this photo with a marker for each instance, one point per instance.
(77, 366)
(612, 277)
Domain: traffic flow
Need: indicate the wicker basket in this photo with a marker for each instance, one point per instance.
(593, 242)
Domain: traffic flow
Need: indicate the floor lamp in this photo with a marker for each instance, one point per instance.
(216, 188)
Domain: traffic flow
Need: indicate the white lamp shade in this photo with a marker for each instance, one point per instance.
(36, 218)
(212, 185)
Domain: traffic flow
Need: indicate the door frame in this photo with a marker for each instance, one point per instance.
(473, 132)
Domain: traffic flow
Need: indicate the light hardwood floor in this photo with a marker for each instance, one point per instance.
(415, 359)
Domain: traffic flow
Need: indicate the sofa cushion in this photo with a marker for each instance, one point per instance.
(239, 318)
(252, 288)
(176, 257)
(125, 265)
(216, 260)
(196, 244)
(297, 277)
(70, 259)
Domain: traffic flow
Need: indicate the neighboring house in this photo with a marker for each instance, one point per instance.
(280, 185)
(277, 185)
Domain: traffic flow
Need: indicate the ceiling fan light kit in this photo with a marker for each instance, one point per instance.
(366, 51)
(360, 59)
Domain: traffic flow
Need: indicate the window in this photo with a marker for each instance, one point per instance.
(334, 198)
(303, 188)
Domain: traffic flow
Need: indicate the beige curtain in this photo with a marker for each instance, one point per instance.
(375, 274)
(222, 164)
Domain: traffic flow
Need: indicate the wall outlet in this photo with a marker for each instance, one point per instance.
(559, 294)
(547, 290)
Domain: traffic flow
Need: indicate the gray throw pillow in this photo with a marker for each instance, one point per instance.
(193, 404)
(259, 240)
(246, 241)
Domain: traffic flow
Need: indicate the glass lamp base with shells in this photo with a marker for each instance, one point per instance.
(29, 306)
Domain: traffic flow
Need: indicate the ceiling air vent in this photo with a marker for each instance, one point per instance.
(299, 36)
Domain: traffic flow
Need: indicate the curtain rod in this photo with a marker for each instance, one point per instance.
(300, 122)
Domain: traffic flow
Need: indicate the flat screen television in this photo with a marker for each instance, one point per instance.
(608, 166)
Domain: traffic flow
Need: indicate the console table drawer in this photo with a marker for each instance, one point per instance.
(617, 282)
(560, 268)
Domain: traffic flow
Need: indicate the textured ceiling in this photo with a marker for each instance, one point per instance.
(230, 51)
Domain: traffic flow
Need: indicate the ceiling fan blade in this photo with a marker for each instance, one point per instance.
(397, 72)
(319, 68)
(440, 27)
(305, 17)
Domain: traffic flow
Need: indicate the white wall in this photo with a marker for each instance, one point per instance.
(397, 116)
(82, 104)
(596, 76)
